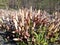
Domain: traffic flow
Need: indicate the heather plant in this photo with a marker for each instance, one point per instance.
(31, 28)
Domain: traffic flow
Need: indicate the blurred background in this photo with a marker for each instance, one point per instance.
(48, 5)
